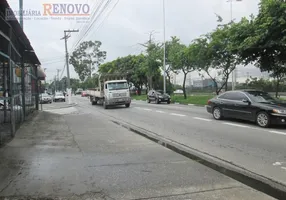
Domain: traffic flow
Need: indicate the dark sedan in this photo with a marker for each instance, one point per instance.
(158, 97)
(250, 105)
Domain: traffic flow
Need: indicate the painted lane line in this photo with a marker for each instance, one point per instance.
(278, 132)
(283, 168)
(237, 125)
(277, 164)
(147, 109)
(208, 120)
(159, 111)
(175, 114)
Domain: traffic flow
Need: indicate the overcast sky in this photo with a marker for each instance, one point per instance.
(128, 24)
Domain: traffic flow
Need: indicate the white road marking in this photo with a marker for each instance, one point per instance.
(238, 125)
(159, 111)
(191, 104)
(175, 114)
(208, 120)
(283, 168)
(277, 164)
(278, 132)
(147, 109)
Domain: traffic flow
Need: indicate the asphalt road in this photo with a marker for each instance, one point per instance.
(69, 153)
(259, 150)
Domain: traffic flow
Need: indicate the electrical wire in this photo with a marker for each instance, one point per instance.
(92, 24)
(106, 17)
(87, 25)
(63, 71)
(92, 8)
(53, 62)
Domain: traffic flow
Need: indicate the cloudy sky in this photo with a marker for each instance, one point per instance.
(125, 23)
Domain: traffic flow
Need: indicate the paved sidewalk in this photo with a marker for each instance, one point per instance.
(86, 156)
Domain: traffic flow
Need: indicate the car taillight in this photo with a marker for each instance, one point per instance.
(209, 102)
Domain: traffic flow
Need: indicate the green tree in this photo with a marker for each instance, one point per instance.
(221, 58)
(133, 66)
(181, 60)
(261, 40)
(153, 55)
(85, 57)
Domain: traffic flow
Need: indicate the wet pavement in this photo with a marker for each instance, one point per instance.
(66, 153)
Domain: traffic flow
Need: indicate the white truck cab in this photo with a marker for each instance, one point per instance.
(116, 92)
(110, 93)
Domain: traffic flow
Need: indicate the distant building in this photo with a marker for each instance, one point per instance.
(198, 83)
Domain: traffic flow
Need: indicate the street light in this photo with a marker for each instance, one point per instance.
(164, 57)
(234, 74)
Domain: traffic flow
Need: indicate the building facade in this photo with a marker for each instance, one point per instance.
(19, 66)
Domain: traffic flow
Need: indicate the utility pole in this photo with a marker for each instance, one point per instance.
(164, 57)
(55, 82)
(67, 54)
(58, 78)
(67, 61)
(21, 13)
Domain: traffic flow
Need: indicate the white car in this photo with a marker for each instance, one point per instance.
(59, 96)
(45, 98)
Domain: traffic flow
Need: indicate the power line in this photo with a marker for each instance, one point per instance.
(63, 71)
(48, 63)
(106, 17)
(86, 26)
(93, 6)
(105, 6)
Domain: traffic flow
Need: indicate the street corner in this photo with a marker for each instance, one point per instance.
(63, 111)
(57, 105)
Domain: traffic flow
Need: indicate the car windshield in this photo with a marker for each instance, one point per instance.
(117, 86)
(261, 97)
(45, 95)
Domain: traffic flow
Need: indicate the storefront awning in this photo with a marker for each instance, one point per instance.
(41, 73)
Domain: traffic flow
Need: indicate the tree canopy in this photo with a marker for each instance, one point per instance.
(258, 40)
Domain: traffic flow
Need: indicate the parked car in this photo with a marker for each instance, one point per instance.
(251, 105)
(78, 91)
(59, 96)
(84, 94)
(158, 97)
(45, 98)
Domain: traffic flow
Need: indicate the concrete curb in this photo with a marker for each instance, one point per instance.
(176, 103)
(252, 179)
(69, 105)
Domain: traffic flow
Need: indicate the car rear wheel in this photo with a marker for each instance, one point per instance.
(148, 100)
(263, 119)
(168, 102)
(217, 114)
(127, 105)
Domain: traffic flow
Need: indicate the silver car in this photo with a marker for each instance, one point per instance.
(45, 98)
(59, 96)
